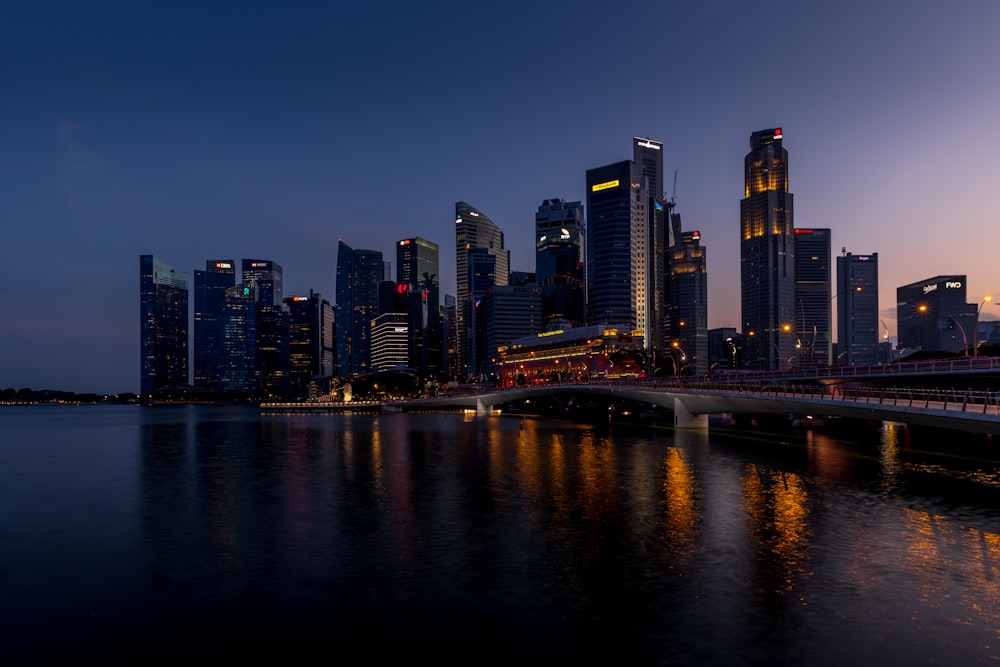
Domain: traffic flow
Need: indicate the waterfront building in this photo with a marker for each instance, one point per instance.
(614, 230)
(390, 341)
(210, 288)
(932, 315)
(857, 309)
(266, 275)
(163, 326)
(652, 292)
(509, 312)
(560, 231)
(767, 254)
(688, 304)
(449, 325)
(272, 354)
(311, 344)
(418, 265)
(474, 232)
(813, 322)
(238, 349)
(579, 354)
(359, 273)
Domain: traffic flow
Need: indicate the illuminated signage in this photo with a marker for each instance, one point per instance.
(258, 265)
(246, 291)
(646, 143)
(399, 329)
(658, 205)
(605, 185)
(777, 133)
(402, 288)
(300, 298)
(696, 235)
(953, 285)
(929, 288)
(405, 242)
(223, 265)
(550, 333)
(803, 231)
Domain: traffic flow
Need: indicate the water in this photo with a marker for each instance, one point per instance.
(132, 535)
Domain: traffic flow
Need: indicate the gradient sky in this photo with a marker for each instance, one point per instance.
(254, 129)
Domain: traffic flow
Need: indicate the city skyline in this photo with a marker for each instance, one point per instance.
(277, 135)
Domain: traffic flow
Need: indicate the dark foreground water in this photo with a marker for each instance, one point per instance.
(136, 535)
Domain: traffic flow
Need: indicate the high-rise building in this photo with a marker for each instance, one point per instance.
(238, 349)
(653, 241)
(559, 262)
(614, 231)
(932, 315)
(359, 273)
(473, 230)
(311, 344)
(723, 348)
(210, 288)
(767, 254)
(266, 275)
(688, 334)
(857, 309)
(509, 312)
(812, 322)
(163, 326)
(418, 265)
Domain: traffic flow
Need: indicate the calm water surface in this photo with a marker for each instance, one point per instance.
(133, 534)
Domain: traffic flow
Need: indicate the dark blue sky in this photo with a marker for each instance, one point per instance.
(231, 130)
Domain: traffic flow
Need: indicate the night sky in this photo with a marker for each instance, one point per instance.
(198, 131)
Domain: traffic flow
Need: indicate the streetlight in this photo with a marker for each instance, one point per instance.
(975, 332)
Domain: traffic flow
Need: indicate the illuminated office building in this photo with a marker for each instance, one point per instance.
(687, 340)
(509, 312)
(767, 254)
(418, 265)
(311, 344)
(266, 276)
(812, 322)
(210, 288)
(238, 343)
(652, 293)
(614, 231)
(932, 315)
(857, 309)
(163, 326)
(474, 231)
(359, 273)
(559, 262)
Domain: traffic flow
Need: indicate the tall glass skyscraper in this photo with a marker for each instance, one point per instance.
(812, 323)
(614, 229)
(688, 335)
(359, 273)
(652, 248)
(163, 326)
(210, 288)
(238, 344)
(266, 275)
(767, 254)
(474, 230)
(857, 308)
(559, 262)
(311, 345)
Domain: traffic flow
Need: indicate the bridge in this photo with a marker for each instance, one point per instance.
(906, 393)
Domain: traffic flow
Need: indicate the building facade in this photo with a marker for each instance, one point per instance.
(813, 322)
(767, 254)
(238, 344)
(359, 273)
(267, 277)
(857, 309)
(560, 231)
(473, 230)
(311, 344)
(932, 315)
(210, 288)
(163, 326)
(614, 229)
(688, 321)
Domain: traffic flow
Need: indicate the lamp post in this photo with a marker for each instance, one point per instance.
(975, 331)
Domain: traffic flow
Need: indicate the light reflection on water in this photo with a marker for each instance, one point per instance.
(152, 533)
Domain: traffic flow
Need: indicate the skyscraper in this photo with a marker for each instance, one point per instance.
(767, 254)
(210, 288)
(474, 230)
(359, 273)
(311, 345)
(418, 265)
(651, 290)
(559, 262)
(613, 236)
(163, 326)
(857, 308)
(238, 345)
(812, 322)
(688, 335)
(266, 275)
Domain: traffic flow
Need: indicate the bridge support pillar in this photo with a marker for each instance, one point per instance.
(483, 408)
(684, 418)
